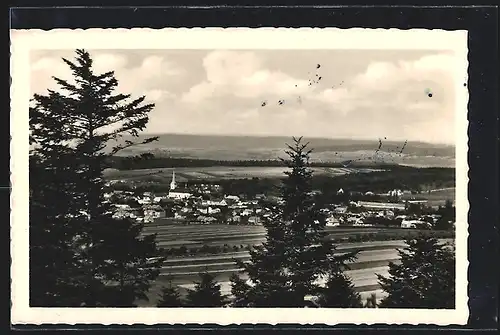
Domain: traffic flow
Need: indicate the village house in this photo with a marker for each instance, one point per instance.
(332, 221)
(395, 193)
(414, 224)
(206, 219)
(380, 205)
(340, 210)
(214, 203)
(247, 212)
(154, 212)
(209, 210)
(179, 195)
(254, 220)
(158, 199)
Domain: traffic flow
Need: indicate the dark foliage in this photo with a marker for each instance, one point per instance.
(287, 266)
(339, 293)
(424, 278)
(207, 293)
(77, 253)
(169, 297)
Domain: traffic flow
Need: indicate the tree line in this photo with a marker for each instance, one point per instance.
(82, 256)
(149, 160)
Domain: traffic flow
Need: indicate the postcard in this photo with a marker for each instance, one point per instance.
(231, 176)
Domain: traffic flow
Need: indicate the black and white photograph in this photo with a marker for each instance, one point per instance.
(180, 179)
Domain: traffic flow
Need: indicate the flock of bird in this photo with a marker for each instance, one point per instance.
(312, 81)
(316, 80)
(394, 153)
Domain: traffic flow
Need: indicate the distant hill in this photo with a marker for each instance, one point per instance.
(269, 148)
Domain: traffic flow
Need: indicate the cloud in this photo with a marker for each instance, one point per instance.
(384, 76)
(147, 77)
(107, 62)
(155, 95)
(385, 99)
(231, 92)
(242, 75)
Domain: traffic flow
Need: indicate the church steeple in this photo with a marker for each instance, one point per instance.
(173, 184)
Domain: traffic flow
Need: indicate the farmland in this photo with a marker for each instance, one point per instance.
(435, 197)
(174, 236)
(218, 173)
(373, 258)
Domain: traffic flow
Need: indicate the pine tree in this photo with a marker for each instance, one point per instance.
(425, 277)
(169, 296)
(207, 293)
(239, 289)
(54, 271)
(339, 293)
(72, 132)
(296, 254)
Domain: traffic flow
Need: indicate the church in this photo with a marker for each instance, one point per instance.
(175, 192)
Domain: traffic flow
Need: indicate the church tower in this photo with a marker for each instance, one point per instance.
(173, 184)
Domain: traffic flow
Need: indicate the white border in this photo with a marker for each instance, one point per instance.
(218, 38)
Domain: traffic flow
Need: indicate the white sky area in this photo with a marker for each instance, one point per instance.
(362, 94)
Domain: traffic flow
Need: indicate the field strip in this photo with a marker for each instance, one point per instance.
(358, 264)
(227, 235)
(218, 229)
(201, 232)
(196, 273)
(201, 229)
(204, 237)
(245, 254)
(366, 288)
(185, 235)
(203, 265)
(206, 228)
(175, 243)
(207, 258)
(353, 273)
(343, 246)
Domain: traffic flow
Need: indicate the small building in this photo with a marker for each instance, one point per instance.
(332, 221)
(413, 223)
(340, 210)
(254, 220)
(381, 205)
(157, 199)
(395, 193)
(234, 198)
(179, 195)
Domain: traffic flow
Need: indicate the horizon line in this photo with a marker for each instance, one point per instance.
(291, 136)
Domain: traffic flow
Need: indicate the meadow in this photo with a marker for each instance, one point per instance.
(213, 173)
(374, 256)
(435, 197)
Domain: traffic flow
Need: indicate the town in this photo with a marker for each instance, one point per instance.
(207, 203)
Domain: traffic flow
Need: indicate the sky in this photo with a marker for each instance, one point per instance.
(359, 94)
